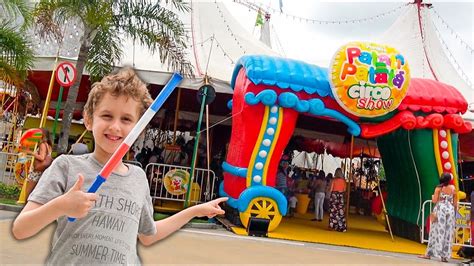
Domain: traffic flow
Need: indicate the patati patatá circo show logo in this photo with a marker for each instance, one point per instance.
(369, 79)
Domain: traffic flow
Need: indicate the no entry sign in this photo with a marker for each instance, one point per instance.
(65, 74)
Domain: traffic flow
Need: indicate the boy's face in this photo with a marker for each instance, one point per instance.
(113, 118)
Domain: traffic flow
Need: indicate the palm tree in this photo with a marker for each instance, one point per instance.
(103, 24)
(16, 56)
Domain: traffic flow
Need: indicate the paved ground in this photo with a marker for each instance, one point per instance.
(218, 246)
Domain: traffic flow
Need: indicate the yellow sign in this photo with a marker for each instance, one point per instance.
(176, 181)
(369, 79)
(463, 211)
(463, 216)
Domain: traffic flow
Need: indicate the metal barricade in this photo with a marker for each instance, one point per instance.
(8, 146)
(204, 182)
(462, 228)
(134, 163)
(11, 169)
(5, 129)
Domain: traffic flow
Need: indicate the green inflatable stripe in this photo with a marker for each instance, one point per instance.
(423, 152)
(411, 172)
(454, 143)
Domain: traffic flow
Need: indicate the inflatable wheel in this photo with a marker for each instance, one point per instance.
(21, 172)
(262, 207)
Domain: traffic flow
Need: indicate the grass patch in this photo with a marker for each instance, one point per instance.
(8, 201)
(160, 216)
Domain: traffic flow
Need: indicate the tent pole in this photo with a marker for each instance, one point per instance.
(314, 160)
(344, 166)
(348, 189)
(322, 161)
(305, 160)
(208, 147)
(385, 210)
(176, 114)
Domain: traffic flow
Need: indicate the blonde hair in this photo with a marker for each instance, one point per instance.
(338, 173)
(124, 82)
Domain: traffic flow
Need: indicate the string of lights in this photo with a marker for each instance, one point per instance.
(453, 32)
(453, 59)
(317, 21)
(278, 42)
(424, 61)
(229, 29)
(226, 54)
(203, 42)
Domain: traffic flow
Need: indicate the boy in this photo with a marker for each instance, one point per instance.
(109, 221)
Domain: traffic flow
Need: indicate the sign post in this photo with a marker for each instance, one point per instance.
(206, 95)
(65, 75)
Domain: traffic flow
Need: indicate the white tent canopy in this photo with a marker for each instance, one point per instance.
(217, 41)
(425, 53)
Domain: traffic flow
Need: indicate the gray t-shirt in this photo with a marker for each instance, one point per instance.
(108, 234)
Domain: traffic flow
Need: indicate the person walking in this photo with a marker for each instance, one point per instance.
(282, 174)
(319, 187)
(42, 160)
(337, 218)
(440, 242)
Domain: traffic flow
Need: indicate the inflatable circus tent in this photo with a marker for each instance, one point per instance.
(416, 127)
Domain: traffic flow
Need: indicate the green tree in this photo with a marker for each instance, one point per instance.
(16, 56)
(149, 23)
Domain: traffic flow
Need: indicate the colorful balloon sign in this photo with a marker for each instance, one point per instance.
(30, 137)
(369, 79)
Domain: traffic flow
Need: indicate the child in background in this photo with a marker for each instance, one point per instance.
(110, 221)
(292, 203)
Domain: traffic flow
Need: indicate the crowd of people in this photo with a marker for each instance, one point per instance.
(178, 154)
(325, 191)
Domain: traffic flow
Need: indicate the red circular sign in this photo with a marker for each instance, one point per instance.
(66, 74)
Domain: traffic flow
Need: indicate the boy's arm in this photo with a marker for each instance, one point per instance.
(169, 225)
(34, 216)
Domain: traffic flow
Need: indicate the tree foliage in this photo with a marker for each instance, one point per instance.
(16, 56)
(105, 24)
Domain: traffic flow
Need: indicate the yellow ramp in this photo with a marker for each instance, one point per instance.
(363, 232)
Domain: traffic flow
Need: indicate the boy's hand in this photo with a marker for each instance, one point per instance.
(210, 209)
(77, 203)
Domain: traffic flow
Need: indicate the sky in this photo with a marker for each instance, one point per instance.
(316, 43)
(298, 37)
